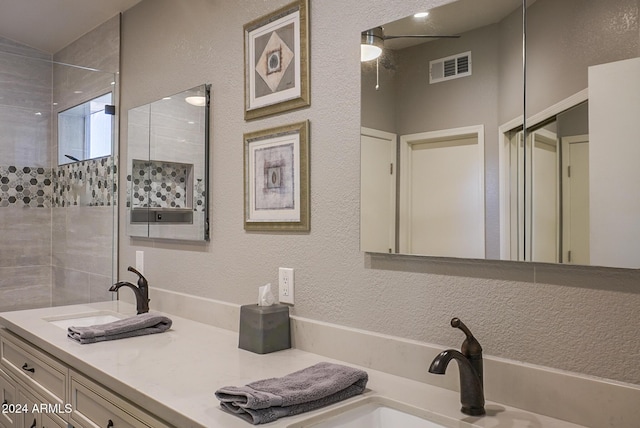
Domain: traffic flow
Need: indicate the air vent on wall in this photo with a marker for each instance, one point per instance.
(451, 67)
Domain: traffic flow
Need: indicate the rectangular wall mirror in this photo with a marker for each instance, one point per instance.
(167, 176)
(451, 168)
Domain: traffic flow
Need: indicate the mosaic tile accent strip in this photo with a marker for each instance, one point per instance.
(88, 183)
(160, 184)
(25, 186)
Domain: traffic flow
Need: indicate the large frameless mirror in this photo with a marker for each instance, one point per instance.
(449, 166)
(168, 153)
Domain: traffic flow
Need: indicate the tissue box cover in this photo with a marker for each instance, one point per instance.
(264, 329)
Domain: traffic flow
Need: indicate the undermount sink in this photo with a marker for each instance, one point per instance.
(84, 320)
(375, 412)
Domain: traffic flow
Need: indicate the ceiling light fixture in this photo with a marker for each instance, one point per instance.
(371, 43)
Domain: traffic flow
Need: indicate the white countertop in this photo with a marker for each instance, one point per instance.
(174, 375)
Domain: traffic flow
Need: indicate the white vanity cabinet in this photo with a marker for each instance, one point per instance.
(49, 394)
(33, 384)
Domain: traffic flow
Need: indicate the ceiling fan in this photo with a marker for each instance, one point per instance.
(372, 41)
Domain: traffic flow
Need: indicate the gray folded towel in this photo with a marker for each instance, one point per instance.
(308, 389)
(138, 325)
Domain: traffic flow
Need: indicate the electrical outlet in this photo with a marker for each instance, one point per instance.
(140, 261)
(285, 285)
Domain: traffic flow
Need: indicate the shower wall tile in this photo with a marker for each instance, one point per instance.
(83, 239)
(99, 288)
(25, 186)
(70, 287)
(25, 287)
(99, 49)
(88, 183)
(25, 105)
(12, 47)
(26, 81)
(163, 184)
(27, 237)
(24, 134)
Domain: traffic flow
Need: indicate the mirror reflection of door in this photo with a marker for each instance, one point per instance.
(550, 189)
(442, 193)
(378, 191)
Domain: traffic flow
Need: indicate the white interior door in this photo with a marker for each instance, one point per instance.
(442, 199)
(378, 191)
(614, 144)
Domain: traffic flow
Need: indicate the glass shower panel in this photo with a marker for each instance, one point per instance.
(57, 223)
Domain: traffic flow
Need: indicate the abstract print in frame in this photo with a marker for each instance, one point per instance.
(276, 175)
(276, 49)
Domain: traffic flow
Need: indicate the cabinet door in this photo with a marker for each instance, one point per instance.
(27, 419)
(48, 421)
(8, 399)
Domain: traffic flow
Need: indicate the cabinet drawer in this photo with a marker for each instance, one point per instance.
(30, 366)
(94, 406)
(8, 398)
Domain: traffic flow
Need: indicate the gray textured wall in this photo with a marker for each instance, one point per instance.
(558, 316)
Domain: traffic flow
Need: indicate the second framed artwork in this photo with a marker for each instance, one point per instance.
(276, 176)
(276, 49)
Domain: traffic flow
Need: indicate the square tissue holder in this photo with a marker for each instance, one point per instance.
(264, 329)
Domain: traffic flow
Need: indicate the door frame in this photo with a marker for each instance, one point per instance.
(504, 160)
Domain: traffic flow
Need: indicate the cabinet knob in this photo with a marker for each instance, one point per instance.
(110, 424)
(26, 368)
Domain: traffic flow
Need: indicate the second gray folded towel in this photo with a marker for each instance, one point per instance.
(308, 389)
(138, 325)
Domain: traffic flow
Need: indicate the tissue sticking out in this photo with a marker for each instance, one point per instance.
(265, 296)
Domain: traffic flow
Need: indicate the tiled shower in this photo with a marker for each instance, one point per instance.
(57, 223)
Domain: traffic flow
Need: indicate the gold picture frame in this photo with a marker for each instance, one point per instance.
(276, 179)
(276, 51)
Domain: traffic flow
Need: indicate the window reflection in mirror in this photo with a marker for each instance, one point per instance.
(85, 131)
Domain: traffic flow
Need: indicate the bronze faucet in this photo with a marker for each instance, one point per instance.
(470, 365)
(141, 291)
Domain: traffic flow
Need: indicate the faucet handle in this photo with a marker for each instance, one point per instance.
(470, 347)
(142, 281)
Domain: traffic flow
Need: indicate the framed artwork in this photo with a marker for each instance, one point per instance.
(276, 49)
(276, 179)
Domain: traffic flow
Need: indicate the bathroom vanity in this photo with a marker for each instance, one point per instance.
(169, 379)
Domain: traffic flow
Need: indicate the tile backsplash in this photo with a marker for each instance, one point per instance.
(163, 184)
(87, 183)
(25, 186)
